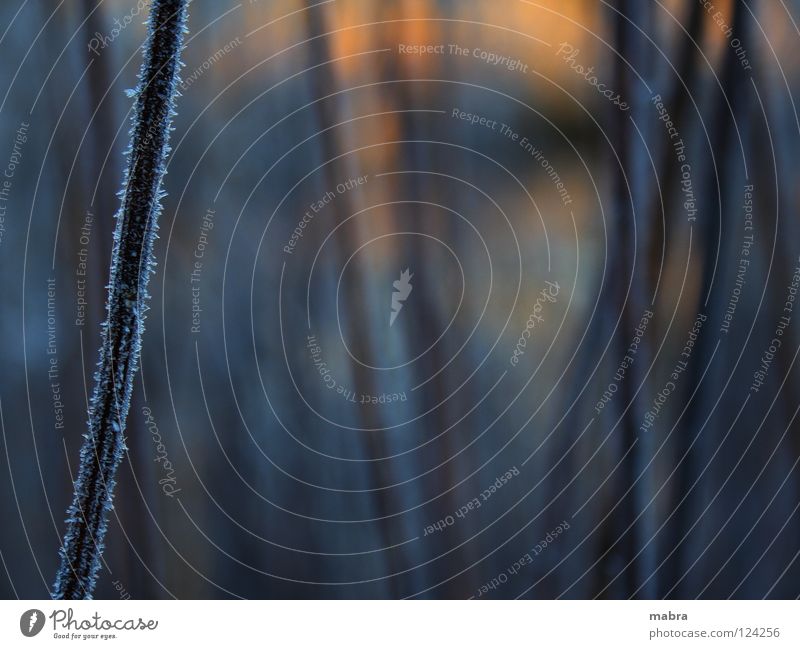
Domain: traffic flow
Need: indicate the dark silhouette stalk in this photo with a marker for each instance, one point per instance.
(692, 448)
(131, 265)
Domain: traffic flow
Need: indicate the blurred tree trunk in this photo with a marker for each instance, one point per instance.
(357, 318)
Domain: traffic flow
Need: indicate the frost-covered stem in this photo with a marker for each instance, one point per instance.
(131, 264)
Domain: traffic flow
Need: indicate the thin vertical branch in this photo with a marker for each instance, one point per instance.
(131, 265)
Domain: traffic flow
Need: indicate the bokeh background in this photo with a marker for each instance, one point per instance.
(284, 440)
